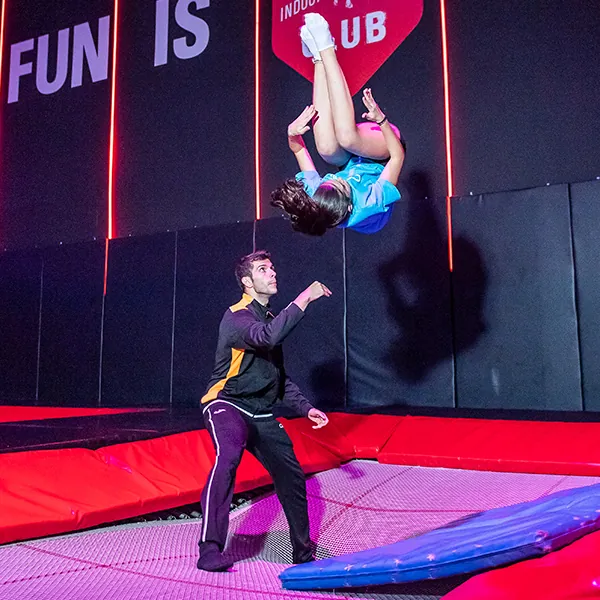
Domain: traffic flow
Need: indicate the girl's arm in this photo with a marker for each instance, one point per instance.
(392, 169)
(296, 143)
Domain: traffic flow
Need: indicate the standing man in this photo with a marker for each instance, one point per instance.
(248, 380)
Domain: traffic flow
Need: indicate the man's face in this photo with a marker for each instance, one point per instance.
(264, 278)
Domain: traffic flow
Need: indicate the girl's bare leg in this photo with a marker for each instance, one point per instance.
(324, 132)
(364, 139)
(325, 135)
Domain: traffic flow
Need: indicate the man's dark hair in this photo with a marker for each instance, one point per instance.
(327, 208)
(244, 266)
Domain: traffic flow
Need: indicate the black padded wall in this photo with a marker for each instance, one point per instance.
(185, 115)
(138, 321)
(515, 320)
(206, 287)
(71, 324)
(314, 351)
(523, 81)
(523, 93)
(526, 356)
(55, 122)
(20, 287)
(398, 308)
(585, 203)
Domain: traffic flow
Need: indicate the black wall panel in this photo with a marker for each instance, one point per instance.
(185, 126)
(398, 303)
(20, 286)
(314, 351)
(527, 356)
(138, 321)
(524, 82)
(71, 324)
(54, 146)
(206, 287)
(516, 330)
(585, 203)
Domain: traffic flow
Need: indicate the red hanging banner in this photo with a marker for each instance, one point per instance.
(366, 33)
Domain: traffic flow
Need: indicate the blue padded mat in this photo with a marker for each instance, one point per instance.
(477, 542)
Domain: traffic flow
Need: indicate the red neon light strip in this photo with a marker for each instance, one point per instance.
(110, 233)
(257, 106)
(111, 148)
(449, 180)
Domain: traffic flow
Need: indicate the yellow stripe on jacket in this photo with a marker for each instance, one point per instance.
(236, 362)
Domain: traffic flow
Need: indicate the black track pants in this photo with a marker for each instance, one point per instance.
(232, 432)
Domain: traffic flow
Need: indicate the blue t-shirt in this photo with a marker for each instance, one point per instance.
(372, 199)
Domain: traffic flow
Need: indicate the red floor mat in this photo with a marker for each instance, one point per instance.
(494, 445)
(55, 491)
(567, 574)
(366, 434)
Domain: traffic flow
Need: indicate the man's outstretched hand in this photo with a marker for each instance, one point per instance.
(318, 417)
(314, 291)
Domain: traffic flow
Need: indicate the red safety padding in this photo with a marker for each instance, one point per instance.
(56, 491)
(49, 492)
(366, 434)
(567, 574)
(313, 457)
(179, 465)
(14, 414)
(176, 466)
(495, 445)
(250, 475)
(331, 437)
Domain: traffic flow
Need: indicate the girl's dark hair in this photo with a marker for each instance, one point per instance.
(327, 208)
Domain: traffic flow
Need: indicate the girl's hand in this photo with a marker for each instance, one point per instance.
(301, 124)
(374, 112)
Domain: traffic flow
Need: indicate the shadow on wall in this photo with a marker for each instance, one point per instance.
(418, 288)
